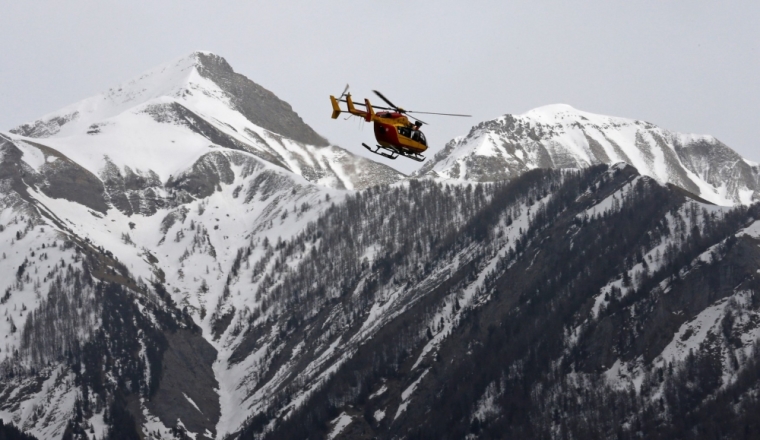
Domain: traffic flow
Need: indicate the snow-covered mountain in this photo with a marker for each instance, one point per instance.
(559, 136)
(146, 130)
(183, 257)
(162, 179)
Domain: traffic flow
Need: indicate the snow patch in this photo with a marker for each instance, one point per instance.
(192, 403)
(340, 424)
(407, 393)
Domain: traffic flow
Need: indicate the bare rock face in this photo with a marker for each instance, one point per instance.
(205, 176)
(132, 192)
(256, 103)
(45, 128)
(719, 165)
(12, 168)
(58, 177)
(187, 389)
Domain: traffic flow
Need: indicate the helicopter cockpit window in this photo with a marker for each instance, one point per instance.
(405, 131)
(421, 138)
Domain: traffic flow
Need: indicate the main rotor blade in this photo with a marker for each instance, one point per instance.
(417, 119)
(442, 114)
(386, 100)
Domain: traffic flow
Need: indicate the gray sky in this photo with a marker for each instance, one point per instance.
(690, 66)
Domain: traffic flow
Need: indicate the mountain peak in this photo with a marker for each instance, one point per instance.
(564, 114)
(166, 119)
(253, 101)
(202, 78)
(560, 136)
(551, 110)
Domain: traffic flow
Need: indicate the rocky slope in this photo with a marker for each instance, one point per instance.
(571, 305)
(559, 136)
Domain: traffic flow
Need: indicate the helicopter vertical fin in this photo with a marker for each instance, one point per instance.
(351, 108)
(335, 106)
(370, 111)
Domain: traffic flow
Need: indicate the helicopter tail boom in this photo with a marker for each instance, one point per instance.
(368, 115)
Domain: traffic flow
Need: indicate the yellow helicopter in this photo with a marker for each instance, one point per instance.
(396, 135)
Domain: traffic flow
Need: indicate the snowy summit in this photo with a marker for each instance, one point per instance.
(560, 136)
(163, 120)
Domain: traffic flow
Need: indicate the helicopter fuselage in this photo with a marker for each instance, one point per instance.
(394, 130)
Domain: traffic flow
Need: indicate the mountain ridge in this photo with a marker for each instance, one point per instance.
(559, 136)
(175, 79)
(159, 124)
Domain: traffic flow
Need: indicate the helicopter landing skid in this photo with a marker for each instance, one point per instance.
(377, 151)
(394, 153)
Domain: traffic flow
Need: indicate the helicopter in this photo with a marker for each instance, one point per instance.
(396, 135)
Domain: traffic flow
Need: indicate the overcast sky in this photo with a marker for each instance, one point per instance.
(690, 66)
